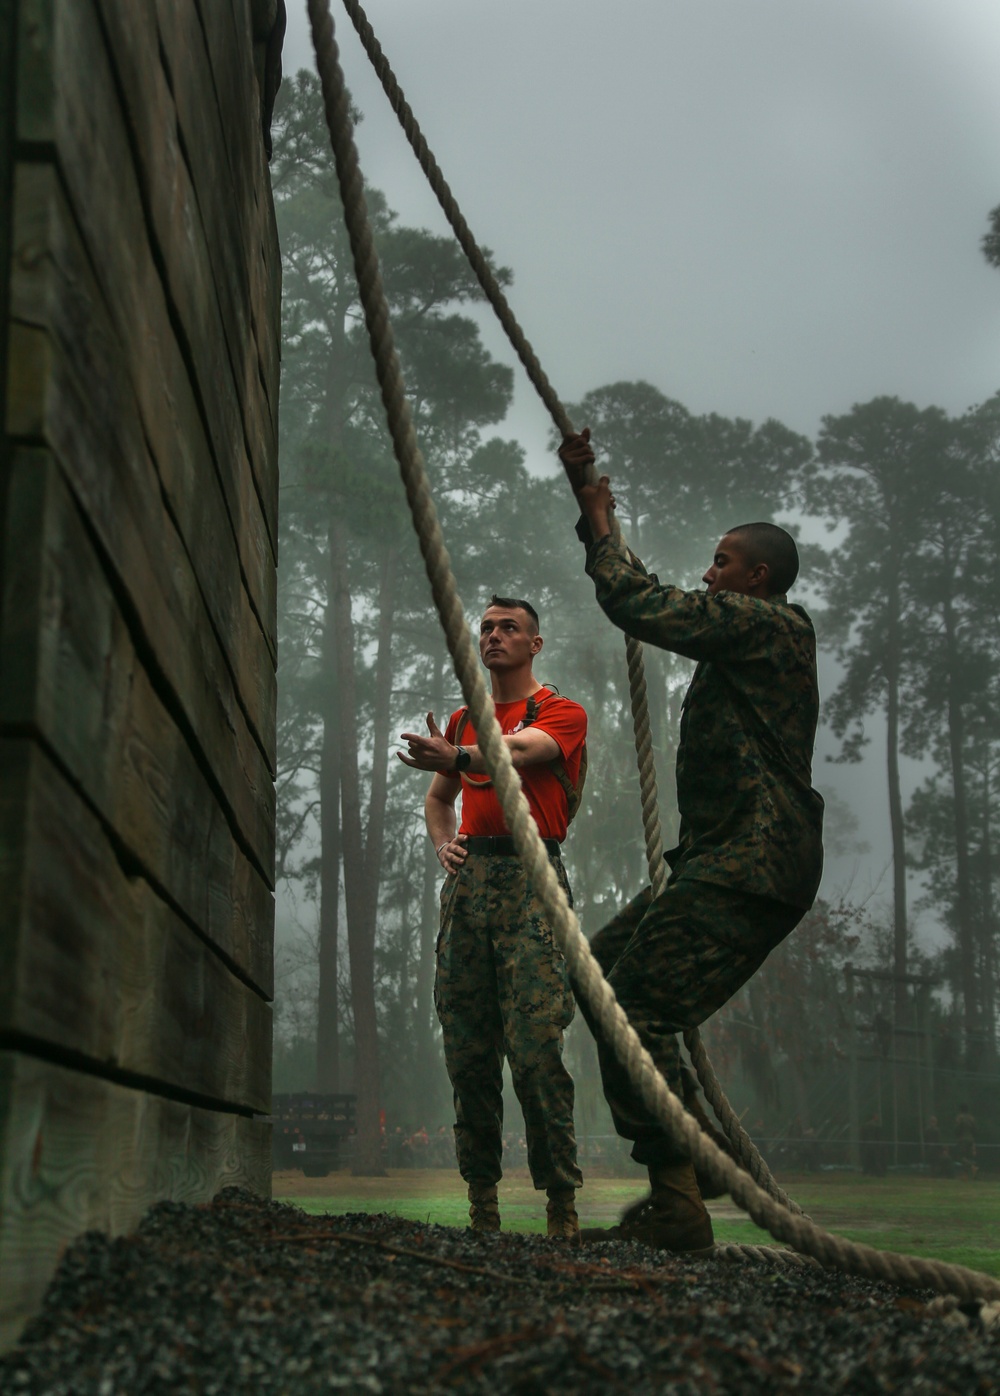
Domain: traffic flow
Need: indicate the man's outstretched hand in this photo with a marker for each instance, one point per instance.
(433, 753)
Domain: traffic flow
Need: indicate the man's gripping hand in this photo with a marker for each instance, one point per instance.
(577, 456)
(596, 500)
(433, 753)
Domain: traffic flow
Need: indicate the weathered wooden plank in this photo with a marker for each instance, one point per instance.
(96, 963)
(53, 287)
(8, 118)
(135, 296)
(82, 1153)
(228, 229)
(165, 611)
(184, 235)
(229, 40)
(67, 96)
(72, 673)
(225, 187)
(241, 18)
(76, 411)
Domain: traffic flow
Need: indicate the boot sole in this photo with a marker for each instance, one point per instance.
(648, 1237)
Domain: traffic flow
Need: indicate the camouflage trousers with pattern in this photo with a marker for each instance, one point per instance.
(672, 961)
(502, 990)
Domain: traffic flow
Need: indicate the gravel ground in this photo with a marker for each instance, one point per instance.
(248, 1296)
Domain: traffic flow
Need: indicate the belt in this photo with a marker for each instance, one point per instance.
(502, 846)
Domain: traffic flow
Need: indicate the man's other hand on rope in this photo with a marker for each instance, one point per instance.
(596, 501)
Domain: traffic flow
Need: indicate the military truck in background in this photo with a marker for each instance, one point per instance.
(310, 1130)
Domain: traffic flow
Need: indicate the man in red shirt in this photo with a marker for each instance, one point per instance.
(502, 987)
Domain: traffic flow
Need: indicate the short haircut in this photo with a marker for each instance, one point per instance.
(510, 603)
(766, 542)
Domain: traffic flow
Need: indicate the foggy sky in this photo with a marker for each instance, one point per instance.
(764, 207)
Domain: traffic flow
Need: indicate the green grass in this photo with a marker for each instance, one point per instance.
(938, 1219)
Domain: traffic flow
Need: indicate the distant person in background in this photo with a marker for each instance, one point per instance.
(443, 1148)
(933, 1147)
(965, 1142)
(873, 1160)
(750, 853)
(502, 987)
(419, 1144)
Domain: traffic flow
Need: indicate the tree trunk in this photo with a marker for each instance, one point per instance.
(328, 1006)
(360, 942)
(988, 924)
(899, 927)
(424, 1016)
(331, 755)
(375, 833)
(960, 815)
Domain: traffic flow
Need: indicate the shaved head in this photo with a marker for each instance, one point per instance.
(766, 542)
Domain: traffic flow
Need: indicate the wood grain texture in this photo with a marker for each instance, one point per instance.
(119, 246)
(8, 122)
(102, 149)
(48, 403)
(97, 964)
(184, 230)
(72, 674)
(229, 41)
(79, 1152)
(228, 175)
(69, 391)
(196, 563)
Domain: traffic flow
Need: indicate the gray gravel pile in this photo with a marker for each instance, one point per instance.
(248, 1296)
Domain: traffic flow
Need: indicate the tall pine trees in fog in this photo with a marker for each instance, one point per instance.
(909, 583)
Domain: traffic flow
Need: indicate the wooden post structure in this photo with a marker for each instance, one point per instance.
(139, 315)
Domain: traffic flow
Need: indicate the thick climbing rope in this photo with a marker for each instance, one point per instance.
(742, 1145)
(803, 1235)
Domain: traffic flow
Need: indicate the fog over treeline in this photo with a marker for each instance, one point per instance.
(890, 485)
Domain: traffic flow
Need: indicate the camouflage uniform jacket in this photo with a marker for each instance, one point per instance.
(750, 819)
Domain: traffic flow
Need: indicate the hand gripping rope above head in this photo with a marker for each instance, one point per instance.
(769, 1208)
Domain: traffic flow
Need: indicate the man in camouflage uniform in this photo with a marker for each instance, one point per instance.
(749, 857)
(502, 987)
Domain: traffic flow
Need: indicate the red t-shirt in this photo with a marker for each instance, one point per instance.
(564, 721)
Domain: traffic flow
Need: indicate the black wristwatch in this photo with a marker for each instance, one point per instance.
(463, 760)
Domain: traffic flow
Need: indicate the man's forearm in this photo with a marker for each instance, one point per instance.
(439, 816)
(531, 747)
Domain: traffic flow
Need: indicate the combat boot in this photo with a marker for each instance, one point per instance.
(562, 1223)
(484, 1209)
(672, 1218)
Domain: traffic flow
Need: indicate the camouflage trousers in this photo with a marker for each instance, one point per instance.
(672, 961)
(502, 990)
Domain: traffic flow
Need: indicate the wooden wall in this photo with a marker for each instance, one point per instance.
(139, 304)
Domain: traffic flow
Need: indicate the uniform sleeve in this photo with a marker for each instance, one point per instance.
(565, 722)
(724, 627)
